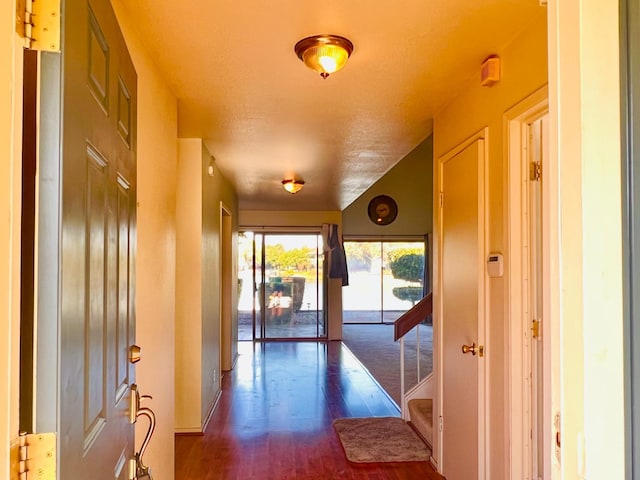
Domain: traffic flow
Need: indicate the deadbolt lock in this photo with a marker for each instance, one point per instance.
(135, 353)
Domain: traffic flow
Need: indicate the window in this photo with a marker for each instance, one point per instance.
(386, 278)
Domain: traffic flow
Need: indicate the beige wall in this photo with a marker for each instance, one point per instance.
(262, 218)
(215, 189)
(156, 244)
(10, 190)
(410, 184)
(198, 342)
(524, 70)
(188, 286)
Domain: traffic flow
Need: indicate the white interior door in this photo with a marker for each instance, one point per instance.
(462, 311)
(88, 138)
(537, 135)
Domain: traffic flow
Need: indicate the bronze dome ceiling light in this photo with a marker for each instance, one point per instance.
(326, 54)
(292, 186)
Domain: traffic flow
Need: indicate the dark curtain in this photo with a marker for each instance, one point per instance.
(334, 248)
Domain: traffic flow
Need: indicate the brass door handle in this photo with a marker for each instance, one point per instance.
(469, 348)
(142, 471)
(473, 349)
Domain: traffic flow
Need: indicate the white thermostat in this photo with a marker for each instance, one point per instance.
(495, 266)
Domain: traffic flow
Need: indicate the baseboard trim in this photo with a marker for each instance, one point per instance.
(234, 360)
(188, 432)
(207, 419)
(434, 464)
(198, 431)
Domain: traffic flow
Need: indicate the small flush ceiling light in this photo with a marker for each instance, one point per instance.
(292, 186)
(325, 54)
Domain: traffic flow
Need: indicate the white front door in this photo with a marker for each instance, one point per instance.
(88, 93)
(462, 310)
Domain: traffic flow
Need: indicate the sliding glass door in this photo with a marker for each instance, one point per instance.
(386, 279)
(284, 297)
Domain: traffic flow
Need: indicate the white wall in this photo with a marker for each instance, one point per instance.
(156, 244)
(524, 70)
(10, 191)
(584, 89)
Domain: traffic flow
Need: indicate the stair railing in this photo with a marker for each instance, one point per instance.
(403, 325)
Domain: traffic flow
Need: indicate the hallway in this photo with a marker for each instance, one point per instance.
(274, 418)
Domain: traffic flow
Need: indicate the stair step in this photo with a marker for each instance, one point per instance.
(421, 417)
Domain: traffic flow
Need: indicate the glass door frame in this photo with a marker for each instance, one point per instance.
(383, 241)
(259, 325)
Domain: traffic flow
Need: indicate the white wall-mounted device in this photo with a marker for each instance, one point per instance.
(495, 267)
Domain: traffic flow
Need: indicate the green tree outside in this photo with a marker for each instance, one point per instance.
(292, 260)
(407, 264)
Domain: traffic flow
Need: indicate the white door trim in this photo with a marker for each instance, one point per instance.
(483, 305)
(519, 422)
(225, 334)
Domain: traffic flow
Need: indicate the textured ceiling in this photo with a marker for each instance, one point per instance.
(265, 116)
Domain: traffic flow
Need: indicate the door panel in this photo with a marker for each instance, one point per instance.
(95, 321)
(293, 302)
(98, 98)
(282, 291)
(460, 312)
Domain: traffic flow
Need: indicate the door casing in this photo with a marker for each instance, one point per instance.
(515, 126)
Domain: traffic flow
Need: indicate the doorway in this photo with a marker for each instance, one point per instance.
(281, 289)
(528, 326)
(228, 334)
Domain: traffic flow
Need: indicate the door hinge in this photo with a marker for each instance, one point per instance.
(441, 199)
(38, 22)
(441, 423)
(37, 456)
(132, 469)
(535, 171)
(536, 329)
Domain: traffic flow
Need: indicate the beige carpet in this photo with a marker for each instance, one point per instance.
(380, 439)
(376, 350)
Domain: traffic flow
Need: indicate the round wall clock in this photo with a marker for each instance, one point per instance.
(382, 210)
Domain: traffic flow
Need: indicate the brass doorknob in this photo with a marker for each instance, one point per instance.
(469, 348)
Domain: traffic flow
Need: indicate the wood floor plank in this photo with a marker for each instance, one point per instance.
(274, 418)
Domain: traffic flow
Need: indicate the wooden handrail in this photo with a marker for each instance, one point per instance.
(412, 317)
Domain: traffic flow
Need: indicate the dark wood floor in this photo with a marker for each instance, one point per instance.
(274, 419)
